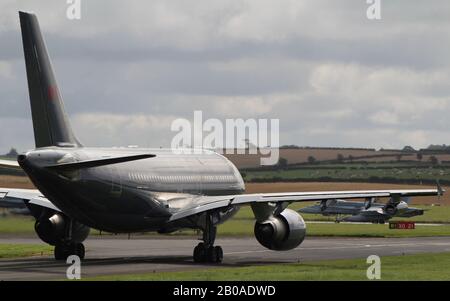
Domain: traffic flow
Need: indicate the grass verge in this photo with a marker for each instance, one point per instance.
(24, 250)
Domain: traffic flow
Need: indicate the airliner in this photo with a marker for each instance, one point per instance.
(126, 190)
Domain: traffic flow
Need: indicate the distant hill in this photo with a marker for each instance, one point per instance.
(303, 155)
(437, 148)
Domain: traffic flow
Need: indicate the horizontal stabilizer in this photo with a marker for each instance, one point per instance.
(98, 162)
(9, 164)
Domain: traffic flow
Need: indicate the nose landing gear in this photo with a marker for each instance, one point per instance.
(213, 254)
(206, 251)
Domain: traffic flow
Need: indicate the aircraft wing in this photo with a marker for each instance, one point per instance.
(207, 203)
(15, 198)
(9, 164)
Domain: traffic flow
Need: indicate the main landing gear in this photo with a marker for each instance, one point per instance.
(67, 247)
(64, 250)
(206, 251)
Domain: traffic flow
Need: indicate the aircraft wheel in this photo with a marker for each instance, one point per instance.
(219, 254)
(62, 251)
(200, 253)
(215, 254)
(80, 250)
(211, 254)
(59, 252)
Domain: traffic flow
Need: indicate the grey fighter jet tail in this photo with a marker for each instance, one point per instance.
(50, 123)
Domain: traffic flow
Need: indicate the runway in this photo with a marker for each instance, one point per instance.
(106, 255)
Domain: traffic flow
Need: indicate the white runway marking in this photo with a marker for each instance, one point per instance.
(347, 247)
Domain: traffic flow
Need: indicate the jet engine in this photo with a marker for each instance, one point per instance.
(390, 209)
(283, 232)
(53, 229)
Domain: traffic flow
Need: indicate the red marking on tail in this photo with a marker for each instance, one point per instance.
(52, 92)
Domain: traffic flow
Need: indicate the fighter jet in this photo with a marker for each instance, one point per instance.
(369, 211)
(125, 190)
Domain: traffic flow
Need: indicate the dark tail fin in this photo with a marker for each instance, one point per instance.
(50, 122)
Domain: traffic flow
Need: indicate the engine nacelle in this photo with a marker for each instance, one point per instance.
(283, 232)
(390, 209)
(52, 230)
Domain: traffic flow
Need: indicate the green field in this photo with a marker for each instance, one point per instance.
(351, 172)
(16, 225)
(407, 267)
(242, 225)
(24, 250)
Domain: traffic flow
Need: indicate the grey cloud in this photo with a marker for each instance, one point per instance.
(161, 58)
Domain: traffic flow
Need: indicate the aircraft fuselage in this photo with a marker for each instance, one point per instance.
(130, 196)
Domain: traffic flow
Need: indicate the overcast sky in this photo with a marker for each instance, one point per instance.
(127, 69)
